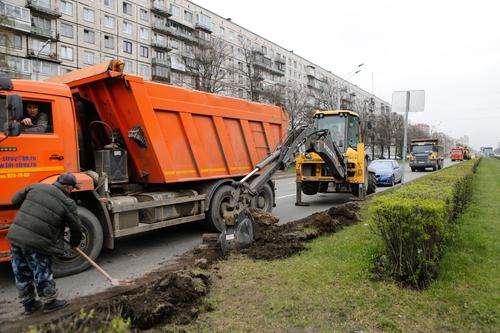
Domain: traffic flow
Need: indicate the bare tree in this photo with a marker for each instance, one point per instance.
(298, 107)
(252, 74)
(328, 96)
(207, 65)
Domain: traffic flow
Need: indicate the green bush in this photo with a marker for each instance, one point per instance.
(416, 220)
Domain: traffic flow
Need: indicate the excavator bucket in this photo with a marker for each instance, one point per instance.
(240, 235)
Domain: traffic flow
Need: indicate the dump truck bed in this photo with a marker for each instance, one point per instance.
(175, 134)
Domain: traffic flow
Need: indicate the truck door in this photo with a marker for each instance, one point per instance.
(35, 154)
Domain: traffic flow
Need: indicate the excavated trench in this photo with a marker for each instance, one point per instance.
(175, 295)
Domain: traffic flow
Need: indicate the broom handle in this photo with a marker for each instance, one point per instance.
(93, 263)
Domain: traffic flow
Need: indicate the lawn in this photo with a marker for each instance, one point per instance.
(329, 287)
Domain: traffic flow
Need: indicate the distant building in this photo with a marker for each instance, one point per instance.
(424, 129)
(464, 140)
(155, 39)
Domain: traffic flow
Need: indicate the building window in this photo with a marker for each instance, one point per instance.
(174, 10)
(222, 31)
(109, 42)
(143, 33)
(88, 15)
(109, 21)
(127, 8)
(144, 51)
(144, 15)
(66, 52)
(128, 66)
(127, 46)
(127, 27)
(41, 22)
(109, 3)
(174, 44)
(67, 7)
(188, 16)
(67, 30)
(144, 71)
(89, 36)
(11, 41)
(88, 57)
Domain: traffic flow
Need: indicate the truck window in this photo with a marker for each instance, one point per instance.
(418, 149)
(336, 126)
(37, 117)
(352, 132)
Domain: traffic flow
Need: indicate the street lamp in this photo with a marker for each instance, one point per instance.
(47, 42)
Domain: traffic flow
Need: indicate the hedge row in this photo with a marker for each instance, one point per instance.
(416, 220)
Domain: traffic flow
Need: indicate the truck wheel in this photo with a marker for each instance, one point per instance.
(218, 205)
(92, 237)
(372, 183)
(412, 169)
(264, 200)
(310, 188)
(355, 188)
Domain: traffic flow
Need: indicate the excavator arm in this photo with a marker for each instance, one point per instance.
(239, 232)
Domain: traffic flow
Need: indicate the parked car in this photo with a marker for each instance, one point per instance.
(388, 172)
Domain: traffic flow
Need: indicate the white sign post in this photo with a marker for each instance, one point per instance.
(407, 101)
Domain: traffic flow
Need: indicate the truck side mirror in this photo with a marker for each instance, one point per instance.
(13, 112)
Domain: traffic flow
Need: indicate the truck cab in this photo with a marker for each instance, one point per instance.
(425, 153)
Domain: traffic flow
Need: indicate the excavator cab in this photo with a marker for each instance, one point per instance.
(314, 175)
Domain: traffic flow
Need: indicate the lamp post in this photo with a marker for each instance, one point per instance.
(349, 75)
(47, 42)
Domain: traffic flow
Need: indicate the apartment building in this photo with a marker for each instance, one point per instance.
(156, 39)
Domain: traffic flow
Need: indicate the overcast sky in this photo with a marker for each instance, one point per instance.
(451, 49)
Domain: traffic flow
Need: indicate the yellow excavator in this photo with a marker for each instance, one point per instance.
(315, 176)
(331, 158)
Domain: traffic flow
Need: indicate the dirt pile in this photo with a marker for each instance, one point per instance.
(281, 241)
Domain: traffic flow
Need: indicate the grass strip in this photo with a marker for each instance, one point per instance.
(329, 287)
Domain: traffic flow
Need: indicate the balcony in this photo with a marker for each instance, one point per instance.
(161, 62)
(268, 65)
(160, 44)
(311, 71)
(280, 59)
(161, 73)
(15, 17)
(161, 27)
(52, 56)
(203, 26)
(43, 32)
(43, 7)
(160, 8)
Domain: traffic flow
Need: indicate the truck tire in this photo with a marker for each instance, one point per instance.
(264, 199)
(310, 188)
(372, 183)
(412, 169)
(219, 201)
(91, 244)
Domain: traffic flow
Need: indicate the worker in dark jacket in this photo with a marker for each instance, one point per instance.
(37, 234)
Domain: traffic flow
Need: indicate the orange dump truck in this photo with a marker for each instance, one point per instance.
(457, 154)
(147, 155)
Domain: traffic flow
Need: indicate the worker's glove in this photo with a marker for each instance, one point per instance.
(75, 239)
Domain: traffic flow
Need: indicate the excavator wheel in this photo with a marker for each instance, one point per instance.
(372, 183)
(310, 188)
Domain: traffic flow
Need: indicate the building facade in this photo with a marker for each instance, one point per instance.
(157, 39)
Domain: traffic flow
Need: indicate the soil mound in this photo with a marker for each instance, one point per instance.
(282, 241)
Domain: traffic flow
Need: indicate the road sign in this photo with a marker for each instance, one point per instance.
(416, 99)
(407, 101)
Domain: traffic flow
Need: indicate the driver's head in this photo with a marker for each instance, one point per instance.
(32, 109)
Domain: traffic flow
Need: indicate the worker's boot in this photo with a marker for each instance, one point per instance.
(32, 307)
(54, 305)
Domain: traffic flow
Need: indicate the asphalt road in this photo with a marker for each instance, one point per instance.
(138, 255)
